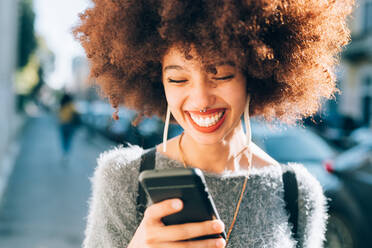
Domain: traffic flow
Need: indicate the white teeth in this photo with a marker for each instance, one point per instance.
(206, 121)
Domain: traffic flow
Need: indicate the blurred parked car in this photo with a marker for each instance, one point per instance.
(337, 129)
(354, 168)
(347, 225)
(361, 135)
(97, 116)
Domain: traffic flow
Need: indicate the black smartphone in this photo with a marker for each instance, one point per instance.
(189, 186)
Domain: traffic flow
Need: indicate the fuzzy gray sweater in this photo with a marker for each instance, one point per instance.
(262, 221)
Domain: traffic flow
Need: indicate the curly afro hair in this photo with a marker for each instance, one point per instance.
(287, 49)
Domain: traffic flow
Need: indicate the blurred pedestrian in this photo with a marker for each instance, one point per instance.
(208, 63)
(69, 120)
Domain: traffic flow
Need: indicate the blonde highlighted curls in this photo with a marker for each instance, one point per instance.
(287, 49)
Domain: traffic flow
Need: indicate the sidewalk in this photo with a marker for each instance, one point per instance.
(45, 202)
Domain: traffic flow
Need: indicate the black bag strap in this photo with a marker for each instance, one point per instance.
(291, 201)
(147, 163)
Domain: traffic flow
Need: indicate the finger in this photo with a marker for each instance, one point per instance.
(207, 243)
(157, 211)
(190, 230)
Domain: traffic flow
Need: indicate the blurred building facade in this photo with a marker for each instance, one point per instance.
(80, 73)
(82, 86)
(355, 74)
(9, 121)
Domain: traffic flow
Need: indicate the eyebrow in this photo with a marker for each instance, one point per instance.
(178, 67)
(174, 67)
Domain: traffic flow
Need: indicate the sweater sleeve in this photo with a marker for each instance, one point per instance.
(313, 215)
(112, 221)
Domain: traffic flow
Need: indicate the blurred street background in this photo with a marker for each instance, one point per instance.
(54, 125)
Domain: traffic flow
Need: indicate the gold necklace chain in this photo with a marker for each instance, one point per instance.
(241, 193)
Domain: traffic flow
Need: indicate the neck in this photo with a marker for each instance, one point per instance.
(217, 157)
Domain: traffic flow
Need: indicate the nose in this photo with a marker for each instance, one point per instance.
(202, 93)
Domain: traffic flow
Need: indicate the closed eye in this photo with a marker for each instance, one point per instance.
(176, 81)
(225, 78)
(216, 78)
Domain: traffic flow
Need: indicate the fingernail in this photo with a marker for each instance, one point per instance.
(220, 243)
(217, 225)
(176, 204)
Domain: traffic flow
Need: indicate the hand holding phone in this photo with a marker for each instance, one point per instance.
(153, 233)
(189, 186)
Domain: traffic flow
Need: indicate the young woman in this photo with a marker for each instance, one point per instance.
(207, 64)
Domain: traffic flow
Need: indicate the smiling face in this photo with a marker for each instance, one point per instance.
(189, 88)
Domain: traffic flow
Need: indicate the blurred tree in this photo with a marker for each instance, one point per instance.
(26, 36)
(30, 79)
(34, 58)
(27, 77)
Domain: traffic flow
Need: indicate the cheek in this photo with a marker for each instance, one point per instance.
(236, 95)
(238, 104)
(240, 93)
(174, 99)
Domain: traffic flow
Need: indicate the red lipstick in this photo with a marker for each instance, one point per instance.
(209, 129)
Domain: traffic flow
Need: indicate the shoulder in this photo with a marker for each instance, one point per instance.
(117, 166)
(306, 181)
(113, 199)
(309, 187)
(312, 207)
(119, 156)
